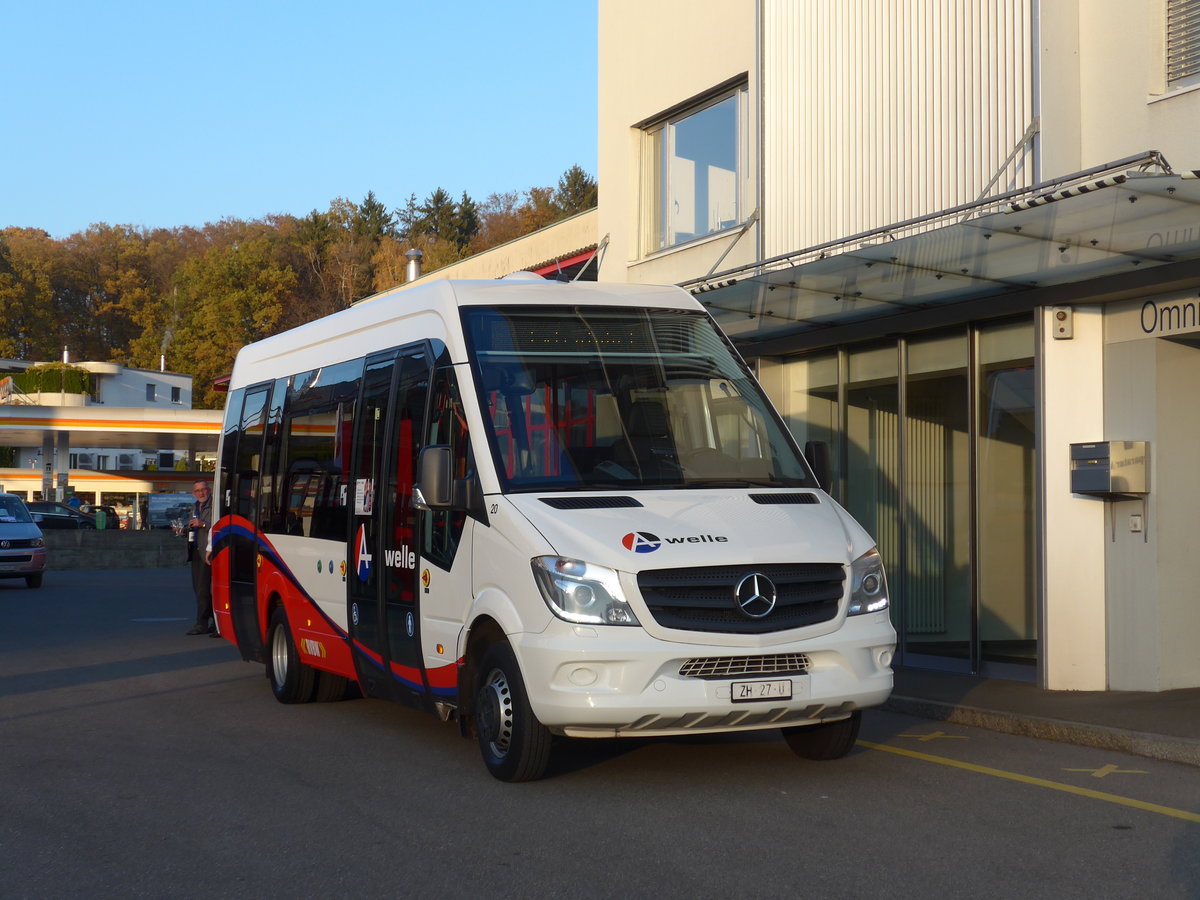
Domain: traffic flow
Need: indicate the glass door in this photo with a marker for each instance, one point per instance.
(936, 460)
(1007, 467)
(871, 450)
(935, 597)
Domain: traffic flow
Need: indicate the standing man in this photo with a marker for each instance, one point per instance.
(201, 570)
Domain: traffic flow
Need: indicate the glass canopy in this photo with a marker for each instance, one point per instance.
(1088, 231)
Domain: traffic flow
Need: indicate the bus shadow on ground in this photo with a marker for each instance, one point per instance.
(77, 676)
(575, 755)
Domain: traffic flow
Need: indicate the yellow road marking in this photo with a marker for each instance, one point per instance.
(934, 735)
(1038, 782)
(1110, 769)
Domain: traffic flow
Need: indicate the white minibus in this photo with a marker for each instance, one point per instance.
(540, 510)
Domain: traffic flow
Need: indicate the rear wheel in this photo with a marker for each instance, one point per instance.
(514, 744)
(828, 740)
(33, 581)
(291, 680)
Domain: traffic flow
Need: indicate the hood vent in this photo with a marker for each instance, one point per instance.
(785, 499)
(590, 502)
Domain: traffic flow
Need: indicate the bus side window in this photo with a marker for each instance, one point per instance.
(312, 452)
(447, 425)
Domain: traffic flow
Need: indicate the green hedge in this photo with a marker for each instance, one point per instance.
(54, 378)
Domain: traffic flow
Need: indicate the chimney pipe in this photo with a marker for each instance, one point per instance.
(66, 355)
(162, 363)
(414, 265)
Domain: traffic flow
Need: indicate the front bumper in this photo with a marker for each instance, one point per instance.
(587, 681)
(22, 561)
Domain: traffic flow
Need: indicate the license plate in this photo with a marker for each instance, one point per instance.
(749, 691)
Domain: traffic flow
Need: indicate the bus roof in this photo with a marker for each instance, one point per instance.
(427, 311)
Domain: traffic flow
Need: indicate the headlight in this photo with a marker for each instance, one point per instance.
(868, 585)
(37, 542)
(581, 592)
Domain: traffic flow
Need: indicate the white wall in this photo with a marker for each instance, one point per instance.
(652, 56)
(129, 389)
(1074, 534)
(1103, 92)
(1150, 394)
(874, 113)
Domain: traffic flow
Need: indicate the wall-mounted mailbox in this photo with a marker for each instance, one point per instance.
(1110, 468)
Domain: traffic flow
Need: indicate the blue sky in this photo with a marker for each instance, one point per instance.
(180, 113)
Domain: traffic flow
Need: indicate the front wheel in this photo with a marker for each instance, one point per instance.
(514, 744)
(291, 680)
(828, 740)
(33, 581)
(329, 687)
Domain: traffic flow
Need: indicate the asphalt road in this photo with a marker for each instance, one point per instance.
(136, 761)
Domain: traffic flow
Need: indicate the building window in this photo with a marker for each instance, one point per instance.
(1183, 41)
(176, 395)
(693, 171)
(151, 394)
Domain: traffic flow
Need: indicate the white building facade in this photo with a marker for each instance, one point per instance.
(960, 240)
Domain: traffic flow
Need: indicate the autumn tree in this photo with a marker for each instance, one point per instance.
(539, 210)
(229, 297)
(358, 229)
(108, 283)
(306, 245)
(499, 220)
(28, 329)
(197, 294)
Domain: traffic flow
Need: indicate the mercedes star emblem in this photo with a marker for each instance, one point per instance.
(755, 595)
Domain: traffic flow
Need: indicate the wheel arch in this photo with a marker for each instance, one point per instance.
(483, 632)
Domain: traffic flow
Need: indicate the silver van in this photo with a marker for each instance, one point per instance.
(22, 547)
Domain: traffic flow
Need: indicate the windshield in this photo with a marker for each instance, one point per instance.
(13, 510)
(583, 397)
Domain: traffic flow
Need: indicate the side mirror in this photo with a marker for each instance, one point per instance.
(820, 461)
(38, 518)
(468, 496)
(434, 489)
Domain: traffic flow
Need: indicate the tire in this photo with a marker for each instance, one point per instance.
(291, 680)
(829, 740)
(330, 687)
(33, 581)
(514, 744)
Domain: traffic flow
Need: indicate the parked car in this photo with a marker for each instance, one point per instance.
(22, 547)
(59, 515)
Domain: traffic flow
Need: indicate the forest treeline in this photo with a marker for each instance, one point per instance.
(121, 294)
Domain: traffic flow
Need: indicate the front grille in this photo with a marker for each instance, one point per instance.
(21, 542)
(738, 666)
(21, 558)
(702, 598)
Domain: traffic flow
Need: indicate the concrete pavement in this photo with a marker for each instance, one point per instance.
(1163, 725)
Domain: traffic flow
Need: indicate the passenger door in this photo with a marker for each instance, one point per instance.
(384, 612)
(243, 476)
